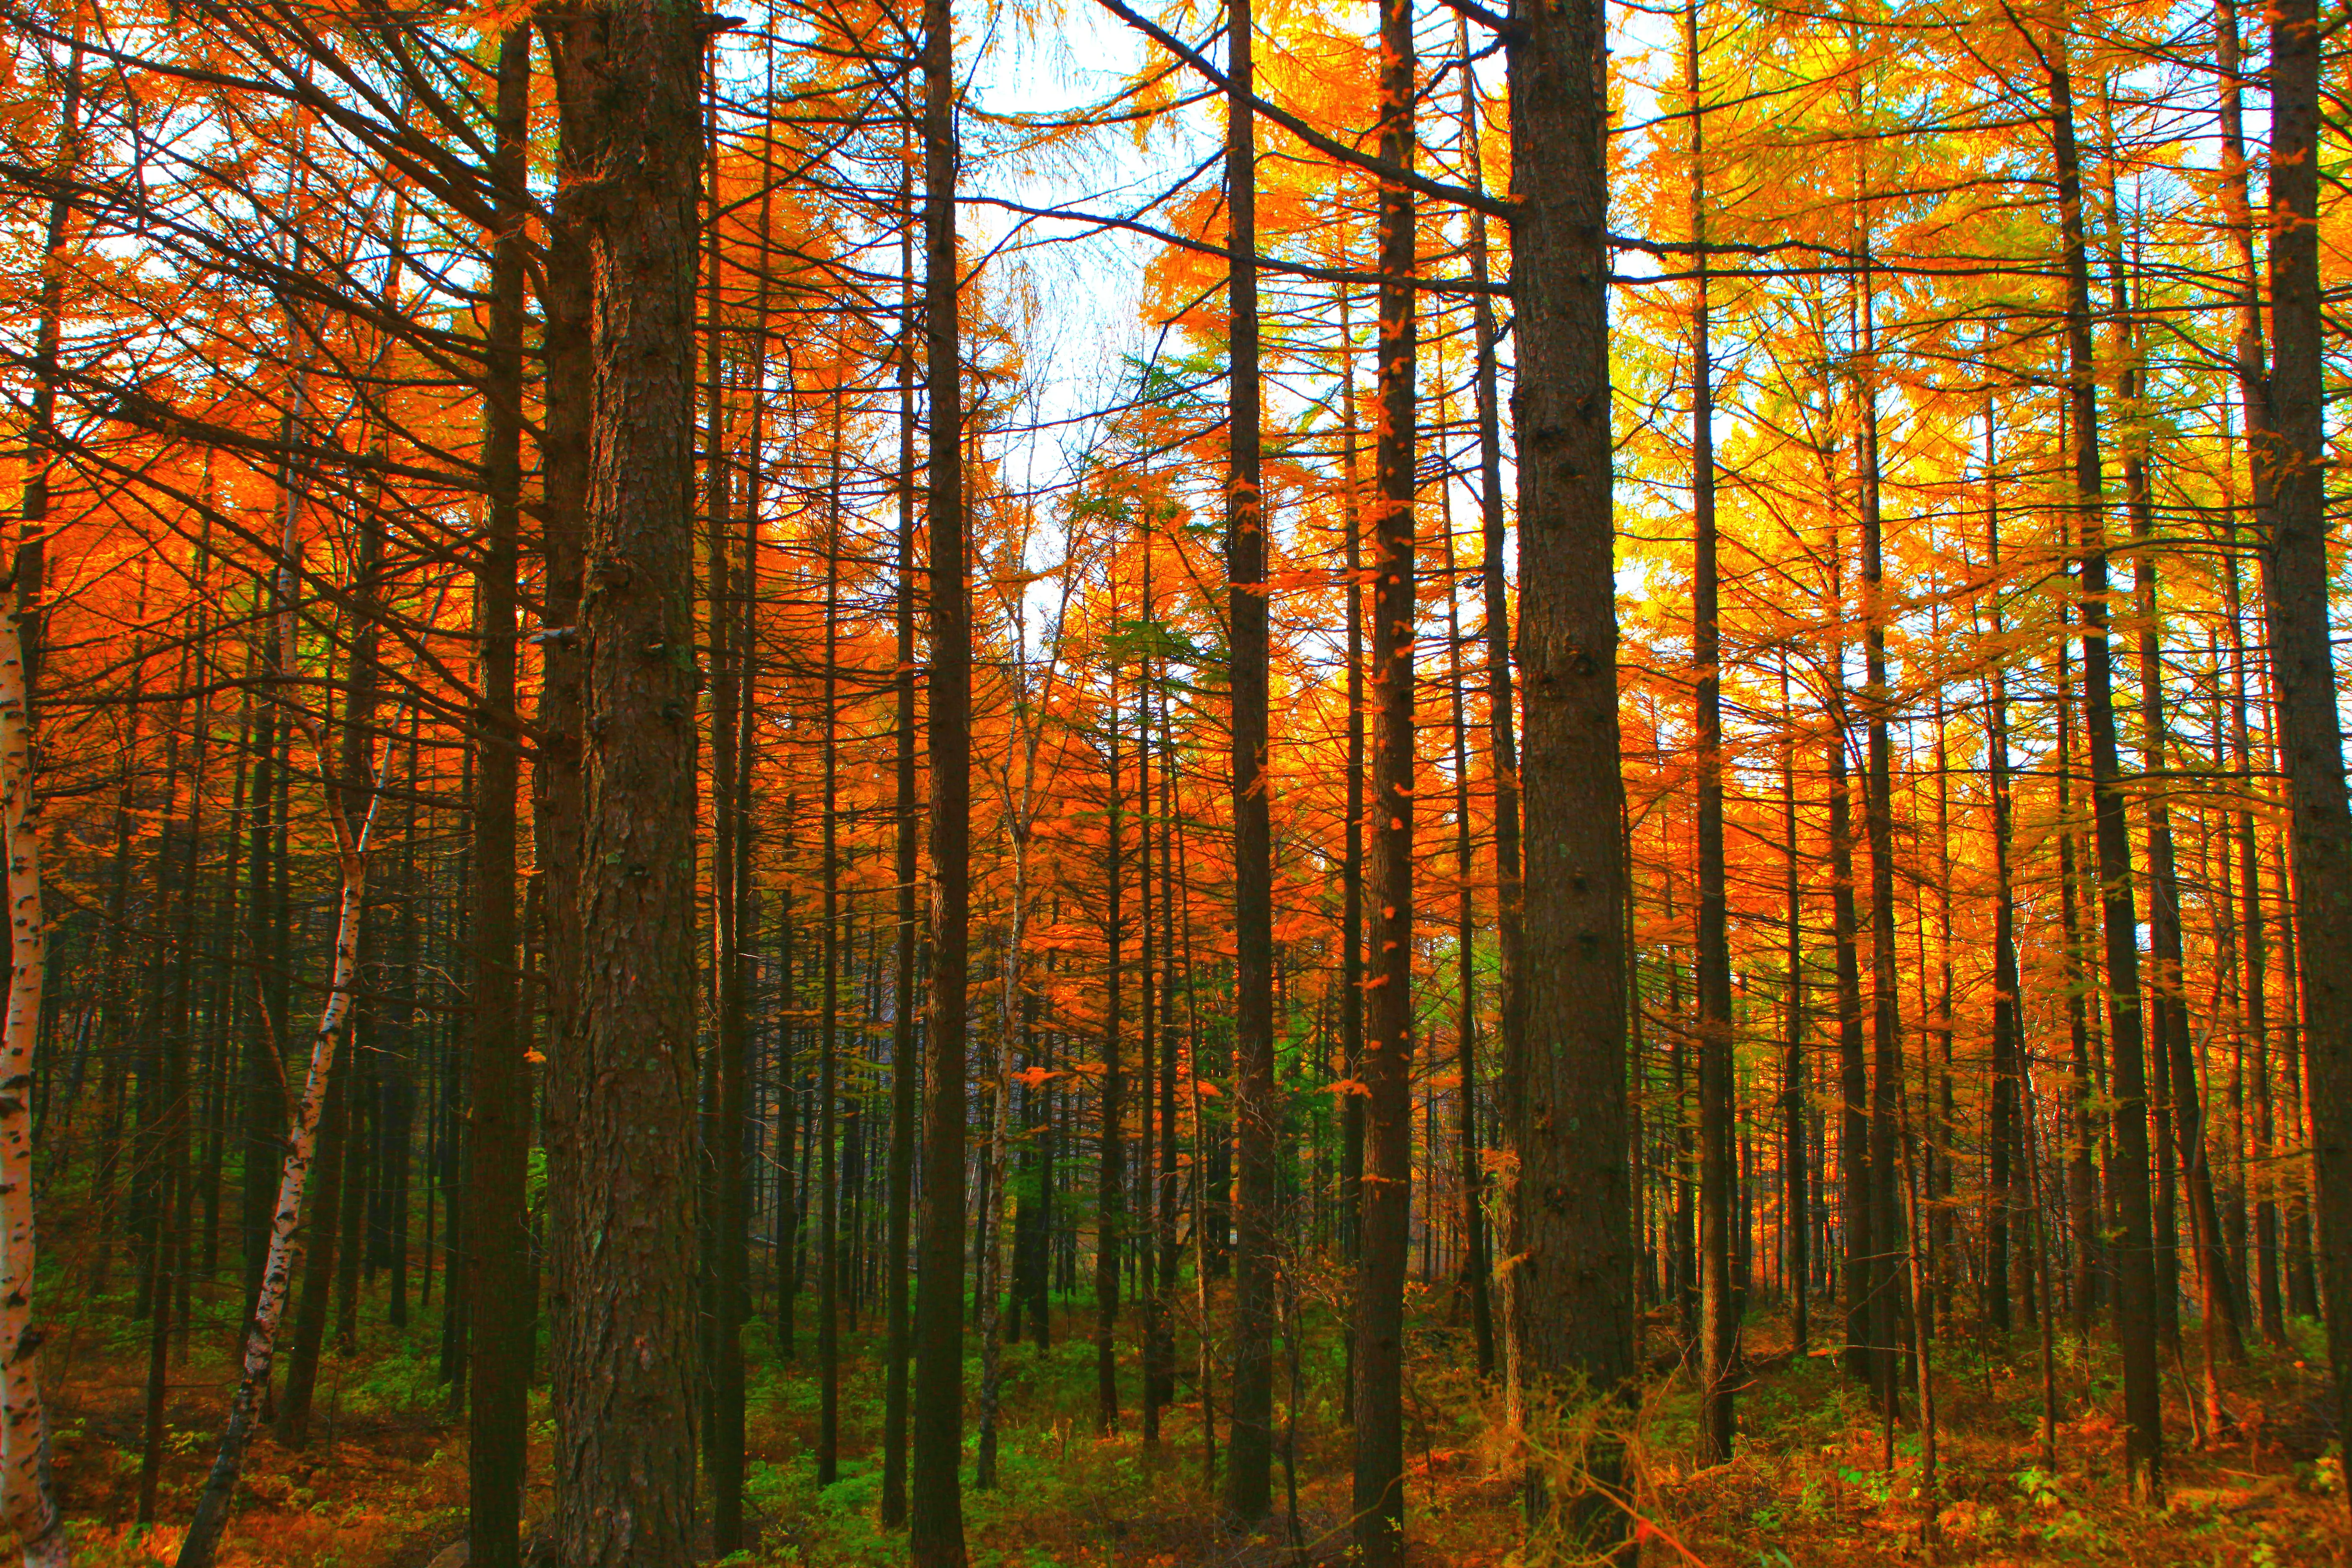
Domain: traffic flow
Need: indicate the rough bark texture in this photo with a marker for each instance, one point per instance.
(1569, 1289)
(623, 1239)
(557, 782)
(2302, 660)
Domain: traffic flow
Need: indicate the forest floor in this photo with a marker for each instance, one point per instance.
(381, 1483)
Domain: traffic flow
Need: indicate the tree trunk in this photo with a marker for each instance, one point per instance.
(1470, 1276)
(499, 1287)
(1387, 1071)
(1568, 1298)
(1719, 1326)
(1351, 864)
(324, 1222)
(2301, 662)
(828, 1285)
(198, 1547)
(624, 1343)
(1794, 1201)
(2134, 1260)
(2011, 1194)
(905, 826)
(1249, 1476)
(937, 1536)
(1110, 1191)
(25, 1496)
(1503, 748)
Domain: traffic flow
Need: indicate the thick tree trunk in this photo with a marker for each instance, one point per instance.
(624, 1343)
(2302, 665)
(558, 784)
(1568, 1298)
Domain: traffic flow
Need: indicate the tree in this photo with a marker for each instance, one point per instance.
(625, 1444)
(1568, 1298)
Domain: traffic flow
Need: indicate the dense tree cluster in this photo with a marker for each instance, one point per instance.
(1651, 679)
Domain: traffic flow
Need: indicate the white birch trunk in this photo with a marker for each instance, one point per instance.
(24, 1430)
(284, 1255)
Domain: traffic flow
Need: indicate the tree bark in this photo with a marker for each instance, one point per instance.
(623, 1341)
(906, 829)
(1387, 1071)
(1249, 1474)
(937, 1537)
(1719, 1326)
(24, 1495)
(2135, 1258)
(2303, 668)
(499, 1286)
(1569, 1296)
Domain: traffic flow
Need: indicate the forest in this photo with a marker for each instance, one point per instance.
(1265, 784)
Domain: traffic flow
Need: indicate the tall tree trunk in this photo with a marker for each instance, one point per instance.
(1249, 1477)
(905, 826)
(198, 1547)
(1352, 863)
(2134, 1260)
(2007, 1198)
(1503, 746)
(2254, 964)
(558, 784)
(937, 1537)
(25, 1496)
(324, 1223)
(1470, 1276)
(2082, 1188)
(1569, 1296)
(624, 1343)
(829, 1260)
(1885, 1281)
(727, 1254)
(1719, 1326)
(1387, 1072)
(1111, 1192)
(1854, 1073)
(1794, 1199)
(499, 1287)
(2302, 663)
